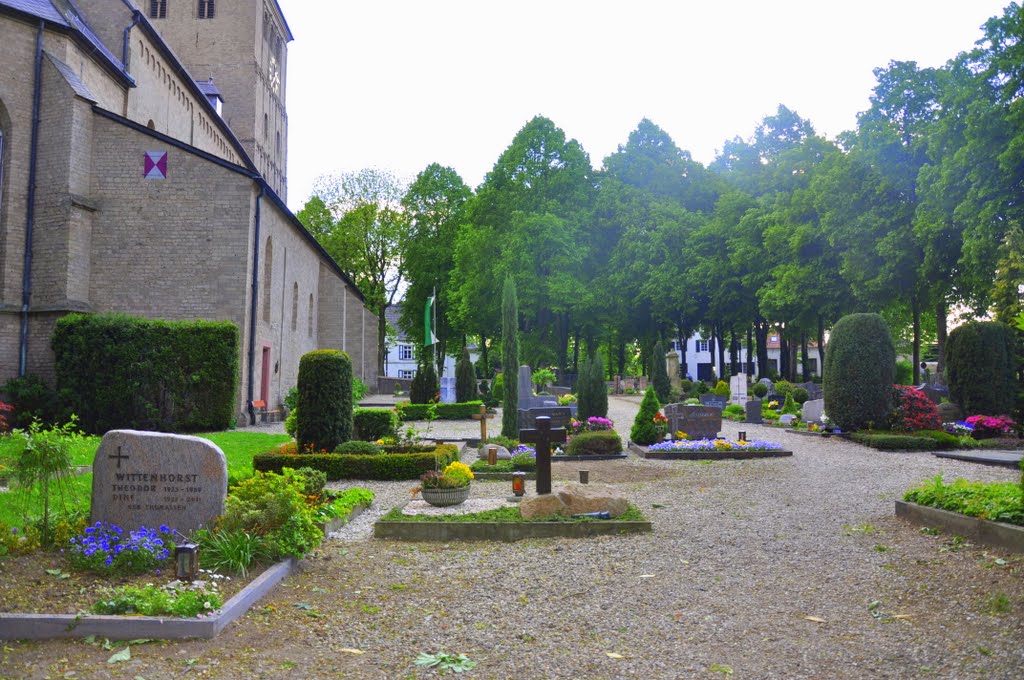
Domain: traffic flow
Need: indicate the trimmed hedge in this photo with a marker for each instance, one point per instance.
(385, 466)
(360, 448)
(371, 424)
(458, 411)
(594, 443)
(117, 371)
(895, 442)
(324, 400)
(860, 366)
(980, 367)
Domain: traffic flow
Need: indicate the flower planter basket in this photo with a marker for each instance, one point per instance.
(442, 498)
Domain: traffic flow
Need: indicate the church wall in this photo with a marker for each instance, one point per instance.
(369, 346)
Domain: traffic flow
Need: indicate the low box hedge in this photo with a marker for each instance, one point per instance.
(456, 411)
(385, 466)
(371, 424)
(594, 443)
(895, 442)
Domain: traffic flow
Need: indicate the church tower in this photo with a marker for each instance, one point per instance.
(241, 48)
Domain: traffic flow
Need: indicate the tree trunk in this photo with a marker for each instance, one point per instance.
(940, 339)
(915, 310)
(734, 351)
(821, 345)
(486, 371)
(562, 331)
(622, 357)
(761, 334)
(721, 353)
(783, 357)
(576, 352)
(750, 349)
(803, 356)
(382, 352)
(711, 352)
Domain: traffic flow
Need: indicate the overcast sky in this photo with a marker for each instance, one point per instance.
(399, 84)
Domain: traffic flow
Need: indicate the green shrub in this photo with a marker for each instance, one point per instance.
(784, 388)
(594, 443)
(291, 422)
(895, 442)
(721, 389)
(385, 466)
(800, 395)
(591, 390)
(734, 410)
(943, 440)
(507, 442)
(359, 448)
(644, 431)
(685, 385)
(32, 399)
(498, 388)
(325, 400)
(465, 378)
(789, 406)
(359, 389)
(371, 424)
(904, 372)
(272, 506)
(441, 411)
(980, 365)
(424, 388)
(291, 398)
(116, 371)
(659, 374)
(313, 481)
(860, 363)
(759, 390)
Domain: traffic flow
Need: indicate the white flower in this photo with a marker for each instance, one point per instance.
(206, 605)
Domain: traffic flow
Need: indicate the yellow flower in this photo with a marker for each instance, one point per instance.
(682, 435)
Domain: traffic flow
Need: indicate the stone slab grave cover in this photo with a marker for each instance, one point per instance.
(561, 416)
(812, 410)
(699, 422)
(716, 400)
(153, 478)
(738, 389)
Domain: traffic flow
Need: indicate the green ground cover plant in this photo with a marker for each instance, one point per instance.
(997, 501)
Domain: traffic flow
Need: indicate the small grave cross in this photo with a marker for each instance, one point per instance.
(482, 417)
(543, 437)
(119, 457)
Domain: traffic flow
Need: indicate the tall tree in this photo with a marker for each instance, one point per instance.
(510, 359)
(367, 238)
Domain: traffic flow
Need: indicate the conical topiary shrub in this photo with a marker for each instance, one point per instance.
(465, 378)
(860, 367)
(659, 374)
(644, 431)
(324, 400)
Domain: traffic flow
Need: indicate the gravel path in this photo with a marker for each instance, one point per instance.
(742, 554)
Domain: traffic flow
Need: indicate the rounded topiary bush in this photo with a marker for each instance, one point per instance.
(594, 443)
(371, 424)
(860, 365)
(759, 390)
(980, 368)
(644, 431)
(800, 395)
(324, 400)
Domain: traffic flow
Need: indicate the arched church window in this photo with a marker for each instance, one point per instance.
(157, 9)
(295, 305)
(268, 258)
(309, 317)
(206, 10)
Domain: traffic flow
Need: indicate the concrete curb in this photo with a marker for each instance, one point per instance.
(1007, 536)
(503, 531)
(54, 626)
(499, 476)
(706, 455)
(585, 458)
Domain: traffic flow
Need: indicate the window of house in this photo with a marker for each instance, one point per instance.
(405, 352)
(206, 10)
(295, 305)
(309, 320)
(408, 375)
(157, 9)
(702, 345)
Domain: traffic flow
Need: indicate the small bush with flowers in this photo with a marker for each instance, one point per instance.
(913, 410)
(990, 426)
(591, 424)
(105, 548)
(455, 476)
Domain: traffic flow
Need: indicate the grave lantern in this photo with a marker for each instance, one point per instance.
(518, 483)
(186, 558)
(492, 455)
(743, 436)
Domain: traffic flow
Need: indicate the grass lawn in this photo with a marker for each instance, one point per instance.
(238, 447)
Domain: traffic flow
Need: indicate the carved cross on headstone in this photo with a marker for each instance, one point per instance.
(119, 457)
(482, 417)
(542, 437)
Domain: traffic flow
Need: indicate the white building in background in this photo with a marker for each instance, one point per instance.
(400, 361)
(700, 363)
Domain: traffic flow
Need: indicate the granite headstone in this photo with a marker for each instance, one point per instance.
(699, 422)
(812, 410)
(561, 416)
(738, 389)
(717, 400)
(753, 409)
(152, 478)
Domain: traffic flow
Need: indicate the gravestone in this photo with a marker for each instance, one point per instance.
(447, 390)
(738, 389)
(560, 416)
(813, 389)
(767, 383)
(935, 392)
(152, 478)
(527, 399)
(812, 410)
(717, 400)
(618, 385)
(542, 437)
(672, 366)
(753, 408)
(787, 419)
(950, 412)
(699, 422)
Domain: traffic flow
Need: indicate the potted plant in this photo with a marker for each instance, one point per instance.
(448, 487)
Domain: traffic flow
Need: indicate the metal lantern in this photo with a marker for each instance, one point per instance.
(186, 560)
(519, 483)
(492, 455)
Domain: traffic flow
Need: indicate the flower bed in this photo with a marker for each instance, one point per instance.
(712, 449)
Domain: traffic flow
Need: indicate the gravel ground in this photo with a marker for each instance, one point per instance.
(742, 553)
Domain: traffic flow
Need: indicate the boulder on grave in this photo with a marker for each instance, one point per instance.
(575, 499)
(767, 383)
(786, 419)
(153, 478)
(503, 453)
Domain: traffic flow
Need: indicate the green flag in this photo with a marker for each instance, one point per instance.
(428, 334)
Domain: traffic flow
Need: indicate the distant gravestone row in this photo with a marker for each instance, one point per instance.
(151, 478)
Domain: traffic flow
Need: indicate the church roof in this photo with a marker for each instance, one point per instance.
(72, 78)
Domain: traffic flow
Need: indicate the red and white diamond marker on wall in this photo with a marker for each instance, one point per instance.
(155, 165)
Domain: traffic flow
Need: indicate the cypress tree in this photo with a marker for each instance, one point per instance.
(659, 374)
(465, 378)
(510, 359)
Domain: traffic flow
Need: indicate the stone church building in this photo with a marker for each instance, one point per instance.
(143, 148)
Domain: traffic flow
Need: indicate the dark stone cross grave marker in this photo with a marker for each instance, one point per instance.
(543, 437)
(482, 417)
